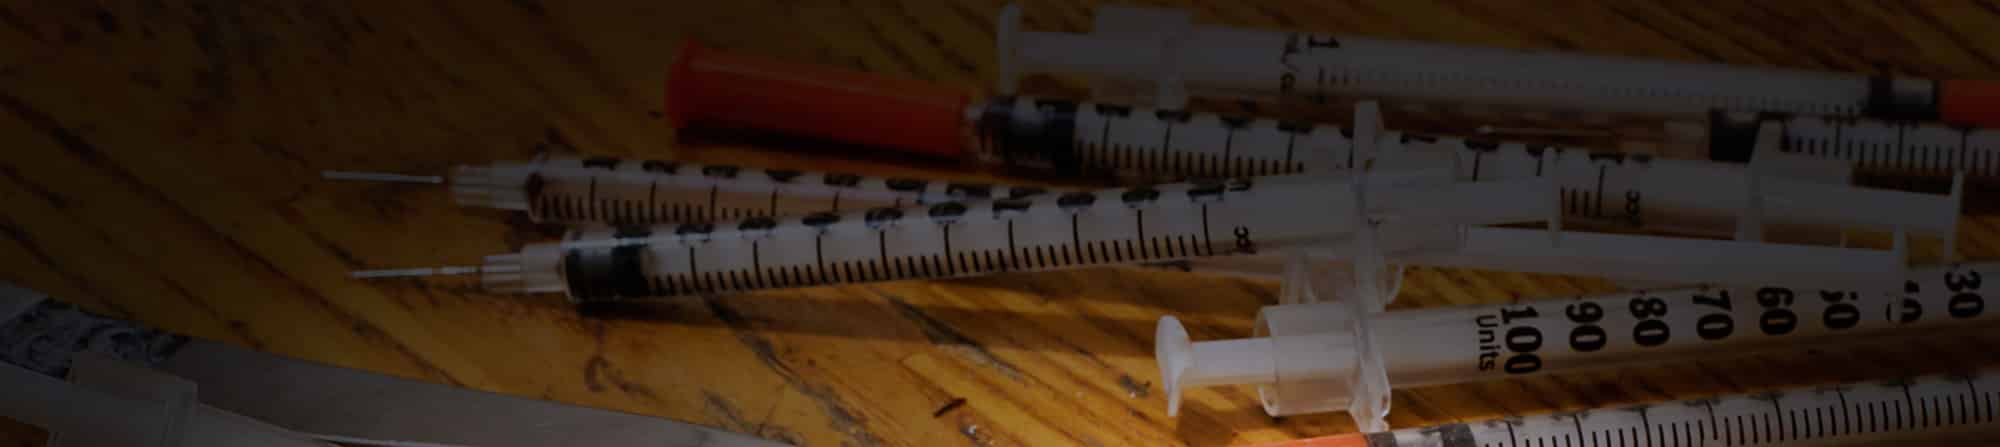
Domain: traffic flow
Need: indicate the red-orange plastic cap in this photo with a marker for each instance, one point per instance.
(715, 88)
(1973, 103)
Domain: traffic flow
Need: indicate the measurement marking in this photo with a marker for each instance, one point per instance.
(1711, 416)
(1599, 212)
(1766, 427)
(1922, 156)
(1291, 138)
(1795, 424)
(1961, 413)
(590, 198)
(1846, 414)
(1512, 440)
(901, 267)
(1075, 235)
(1733, 434)
(712, 204)
(1646, 426)
(1139, 217)
(1819, 422)
(949, 268)
(653, 200)
(1926, 417)
(1093, 252)
(882, 246)
(1838, 139)
(1912, 410)
(1577, 420)
(1947, 409)
(1875, 414)
(1014, 259)
(1104, 136)
(1780, 425)
(1976, 411)
(1938, 410)
(819, 257)
(1228, 148)
(694, 266)
(1207, 240)
(1476, 156)
(1350, 154)
(1892, 416)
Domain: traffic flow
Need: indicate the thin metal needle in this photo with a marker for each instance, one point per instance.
(380, 177)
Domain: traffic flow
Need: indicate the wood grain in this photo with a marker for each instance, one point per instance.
(161, 157)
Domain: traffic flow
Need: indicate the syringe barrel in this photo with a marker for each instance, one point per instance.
(1116, 56)
(612, 191)
(1310, 374)
(1260, 64)
(1473, 343)
(1141, 143)
(947, 239)
(1804, 200)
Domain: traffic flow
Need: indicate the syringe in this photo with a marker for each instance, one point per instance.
(1168, 58)
(1424, 209)
(1945, 409)
(719, 89)
(1637, 191)
(612, 191)
(1328, 356)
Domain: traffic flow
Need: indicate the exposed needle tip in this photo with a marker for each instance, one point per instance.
(380, 177)
(402, 273)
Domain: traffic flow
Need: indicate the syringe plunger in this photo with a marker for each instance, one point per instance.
(1225, 362)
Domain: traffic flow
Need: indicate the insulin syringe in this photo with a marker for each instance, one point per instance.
(1632, 191)
(1945, 409)
(1167, 57)
(1328, 356)
(1420, 209)
(612, 191)
(712, 88)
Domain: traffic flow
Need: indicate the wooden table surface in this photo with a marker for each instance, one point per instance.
(159, 161)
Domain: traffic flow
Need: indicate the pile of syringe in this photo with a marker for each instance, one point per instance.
(1751, 207)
